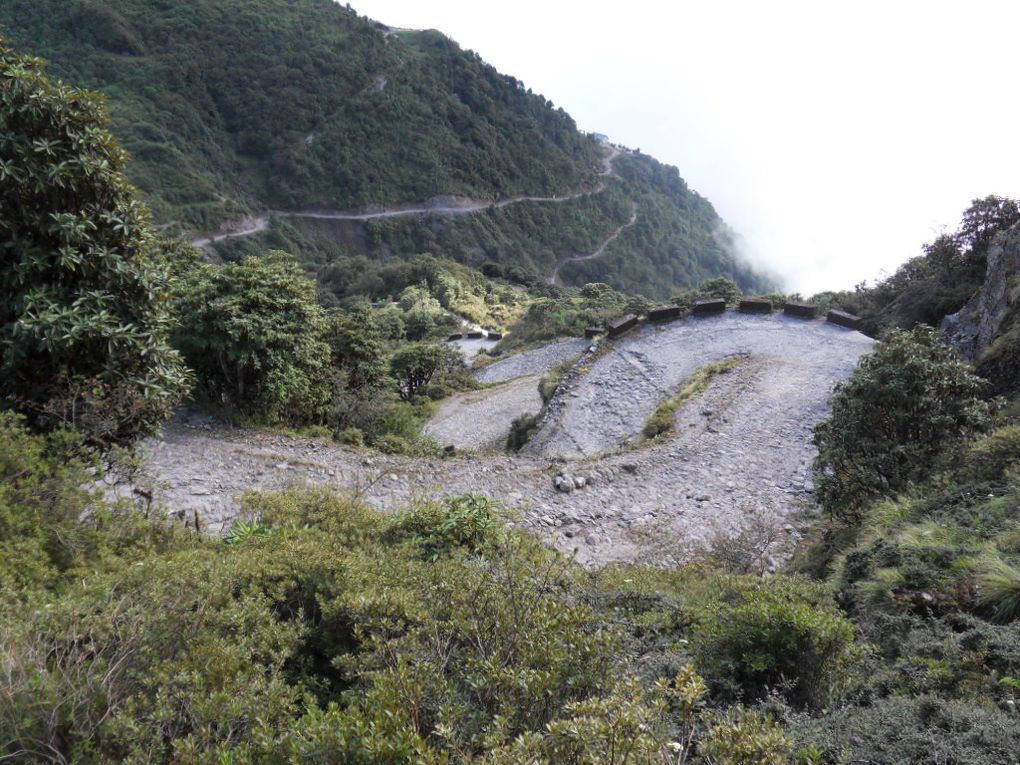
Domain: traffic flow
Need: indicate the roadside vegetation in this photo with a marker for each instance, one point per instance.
(319, 630)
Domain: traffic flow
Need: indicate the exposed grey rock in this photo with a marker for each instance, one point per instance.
(480, 420)
(639, 371)
(760, 450)
(563, 483)
(977, 324)
(534, 362)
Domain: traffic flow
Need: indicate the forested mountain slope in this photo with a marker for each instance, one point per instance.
(230, 107)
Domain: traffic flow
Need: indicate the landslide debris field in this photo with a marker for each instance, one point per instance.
(740, 452)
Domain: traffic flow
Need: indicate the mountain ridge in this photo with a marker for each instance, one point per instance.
(233, 108)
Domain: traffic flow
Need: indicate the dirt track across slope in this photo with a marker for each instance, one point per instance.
(742, 449)
(442, 205)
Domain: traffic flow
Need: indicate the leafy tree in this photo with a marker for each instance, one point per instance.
(931, 286)
(415, 364)
(84, 320)
(905, 404)
(256, 336)
(358, 352)
(358, 372)
(720, 287)
(984, 219)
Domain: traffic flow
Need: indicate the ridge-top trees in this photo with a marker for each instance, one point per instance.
(83, 316)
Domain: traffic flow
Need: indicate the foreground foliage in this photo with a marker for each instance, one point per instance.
(84, 320)
(319, 630)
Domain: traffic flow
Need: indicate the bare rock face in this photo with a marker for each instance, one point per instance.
(975, 326)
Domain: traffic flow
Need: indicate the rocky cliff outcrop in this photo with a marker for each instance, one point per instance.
(983, 329)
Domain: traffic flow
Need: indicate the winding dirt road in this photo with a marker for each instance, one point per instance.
(741, 450)
(248, 228)
(554, 277)
(443, 205)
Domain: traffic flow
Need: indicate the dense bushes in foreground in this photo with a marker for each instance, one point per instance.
(343, 636)
(326, 632)
(336, 634)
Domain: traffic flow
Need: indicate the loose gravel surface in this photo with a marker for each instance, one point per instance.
(608, 407)
(740, 450)
(470, 347)
(480, 420)
(535, 362)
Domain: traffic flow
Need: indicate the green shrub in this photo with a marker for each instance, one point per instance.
(54, 525)
(754, 635)
(907, 403)
(169, 660)
(720, 287)
(746, 738)
(466, 521)
(999, 589)
(912, 729)
(521, 431)
(400, 419)
(439, 391)
(990, 457)
(241, 531)
(390, 443)
(351, 437)
(41, 499)
(551, 380)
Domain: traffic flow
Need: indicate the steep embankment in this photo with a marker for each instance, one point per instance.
(234, 108)
(741, 452)
(986, 330)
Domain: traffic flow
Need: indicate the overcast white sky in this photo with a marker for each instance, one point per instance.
(836, 138)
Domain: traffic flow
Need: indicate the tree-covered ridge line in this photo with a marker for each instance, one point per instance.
(226, 103)
(230, 108)
(660, 255)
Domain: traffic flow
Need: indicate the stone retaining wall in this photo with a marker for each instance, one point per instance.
(665, 313)
(843, 319)
(708, 307)
(621, 325)
(801, 310)
(756, 305)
